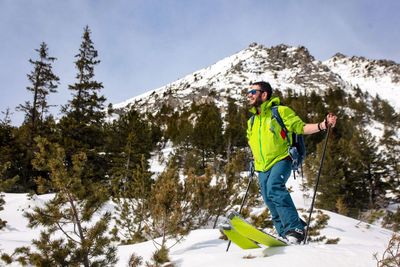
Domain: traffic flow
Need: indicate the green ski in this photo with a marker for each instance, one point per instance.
(235, 237)
(245, 229)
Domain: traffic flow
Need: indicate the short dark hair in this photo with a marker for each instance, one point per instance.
(264, 86)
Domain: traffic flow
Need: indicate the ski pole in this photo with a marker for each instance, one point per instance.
(316, 183)
(251, 170)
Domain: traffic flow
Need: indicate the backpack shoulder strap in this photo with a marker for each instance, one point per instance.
(275, 114)
(252, 121)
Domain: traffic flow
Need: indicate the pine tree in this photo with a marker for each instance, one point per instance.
(318, 222)
(82, 125)
(166, 207)
(384, 112)
(43, 82)
(359, 103)
(6, 139)
(207, 133)
(341, 206)
(178, 207)
(390, 153)
(372, 167)
(179, 128)
(5, 185)
(263, 220)
(86, 106)
(132, 192)
(334, 98)
(227, 188)
(198, 194)
(331, 183)
(129, 144)
(9, 153)
(235, 130)
(353, 171)
(71, 213)
(191, 160)
(128, 139)
(84, 113)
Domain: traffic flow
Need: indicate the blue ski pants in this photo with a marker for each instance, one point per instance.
(278, 199)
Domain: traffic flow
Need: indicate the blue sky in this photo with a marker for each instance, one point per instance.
(146, 44)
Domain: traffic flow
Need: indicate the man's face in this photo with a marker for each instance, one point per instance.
(255, 96)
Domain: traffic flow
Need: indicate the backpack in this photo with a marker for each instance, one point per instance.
(297, 150)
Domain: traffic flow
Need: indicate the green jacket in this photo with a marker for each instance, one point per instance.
(267, 140)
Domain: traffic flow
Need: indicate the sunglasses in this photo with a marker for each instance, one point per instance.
(254, 91)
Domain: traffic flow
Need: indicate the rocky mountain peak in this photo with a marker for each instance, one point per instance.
(289, 57)
(285, 67)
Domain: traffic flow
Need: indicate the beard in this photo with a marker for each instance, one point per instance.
(258, 102)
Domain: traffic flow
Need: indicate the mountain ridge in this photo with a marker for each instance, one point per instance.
(285, 67)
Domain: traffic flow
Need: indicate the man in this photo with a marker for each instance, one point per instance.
(271, 157)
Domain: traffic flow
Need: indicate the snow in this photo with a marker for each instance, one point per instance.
(381, 83)
(158, 161)
(358, 243)
(376, 129)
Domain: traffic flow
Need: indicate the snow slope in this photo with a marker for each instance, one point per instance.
(372, 76)
(358, 241)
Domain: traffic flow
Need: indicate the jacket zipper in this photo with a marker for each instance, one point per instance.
(259, 140)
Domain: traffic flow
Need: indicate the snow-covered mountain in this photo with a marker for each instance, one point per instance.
(378, 77)
(285, 67)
